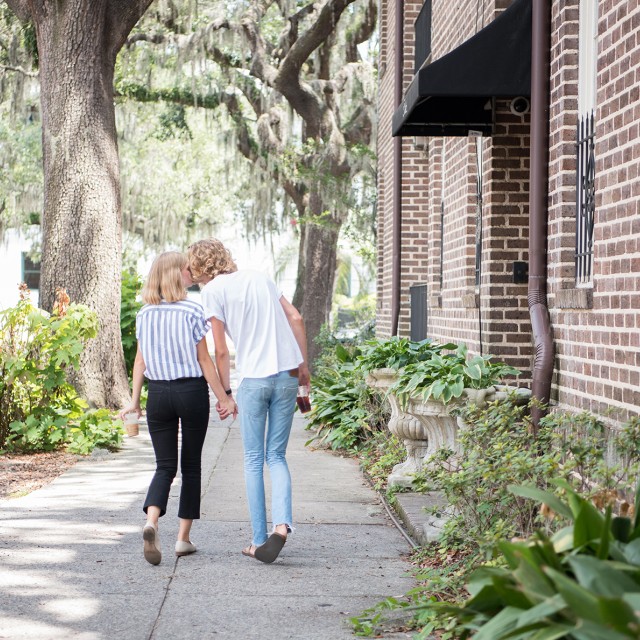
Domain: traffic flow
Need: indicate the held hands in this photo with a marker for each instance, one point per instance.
(227, 408)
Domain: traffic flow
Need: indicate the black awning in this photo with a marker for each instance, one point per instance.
(456, 93)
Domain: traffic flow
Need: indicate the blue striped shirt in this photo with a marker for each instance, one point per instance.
(168, 334)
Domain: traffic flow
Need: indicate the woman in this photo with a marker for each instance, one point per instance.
(270, 341)
(172, 354)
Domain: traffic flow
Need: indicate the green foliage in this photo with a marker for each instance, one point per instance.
(445, 376)
(173, 123)
(39, 409)
(497, 448)
(600, 459)
(94, 429)
(21, 177)
(130, 304)
(379, 454)
(396, 352)
(345, 411)
(582, 583)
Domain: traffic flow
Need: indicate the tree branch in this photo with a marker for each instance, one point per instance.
(311, 39)
(122, 16)
(260, 50)
(21, 8)
(365, 28)
(24, 72)
(156, 38)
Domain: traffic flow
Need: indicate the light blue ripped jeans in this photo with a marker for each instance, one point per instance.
(266, 405)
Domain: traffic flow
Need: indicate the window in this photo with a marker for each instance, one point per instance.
(31, 272)
(585, 140)
(423, 35)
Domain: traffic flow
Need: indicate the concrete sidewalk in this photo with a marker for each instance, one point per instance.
(71, 563)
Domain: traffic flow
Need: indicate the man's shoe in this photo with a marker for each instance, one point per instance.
(270, 550)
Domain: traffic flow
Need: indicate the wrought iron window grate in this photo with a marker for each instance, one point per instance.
(585, 198)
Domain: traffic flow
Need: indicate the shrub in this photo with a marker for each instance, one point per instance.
(497, 448)
(38, 407)
(344, 410)
(583, 583)
(94, 429)
(129, 307)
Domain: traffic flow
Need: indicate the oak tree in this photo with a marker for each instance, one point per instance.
(77, 44)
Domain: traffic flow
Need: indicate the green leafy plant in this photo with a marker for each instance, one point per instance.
(582, 583)
(379, 454)
(345, 411)
(497, 447)
(130, 304)
(94, 429)
(39, 409)
(445, 376)
(396, 352)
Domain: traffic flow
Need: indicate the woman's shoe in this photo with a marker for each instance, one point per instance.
(151, 540)
(185, 548)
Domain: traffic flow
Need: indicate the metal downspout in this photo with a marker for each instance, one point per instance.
(397, 176)
(538, 206)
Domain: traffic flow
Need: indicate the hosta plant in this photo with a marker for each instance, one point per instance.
(395, 352)
(445, 376)
(583, 583)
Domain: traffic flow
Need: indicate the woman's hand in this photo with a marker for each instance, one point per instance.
(132, 409)
(227, 408)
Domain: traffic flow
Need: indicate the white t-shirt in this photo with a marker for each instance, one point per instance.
(248, 303)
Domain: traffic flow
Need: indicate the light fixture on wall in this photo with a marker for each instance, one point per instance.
(420, 143)
(519, 106)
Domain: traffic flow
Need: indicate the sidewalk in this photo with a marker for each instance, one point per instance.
(71, 562)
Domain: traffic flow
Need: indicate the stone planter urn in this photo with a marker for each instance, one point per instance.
(500, 392)
(425, 427)
(422, 427)
(402, 425)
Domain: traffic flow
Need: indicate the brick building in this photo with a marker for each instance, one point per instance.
(461, 254)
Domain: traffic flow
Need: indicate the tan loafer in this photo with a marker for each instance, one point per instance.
(152, 553)
(184, 548)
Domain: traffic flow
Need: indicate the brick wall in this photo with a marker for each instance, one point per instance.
(596, 327)
(440, 183)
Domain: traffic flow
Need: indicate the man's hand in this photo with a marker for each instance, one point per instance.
(304, 377)
(227, 408)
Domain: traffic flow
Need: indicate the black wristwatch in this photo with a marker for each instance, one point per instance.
(228, 391)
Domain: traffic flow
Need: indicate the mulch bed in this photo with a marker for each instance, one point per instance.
(22, 473)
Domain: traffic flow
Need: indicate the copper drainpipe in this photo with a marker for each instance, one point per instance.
(396, 228)
(538, 203)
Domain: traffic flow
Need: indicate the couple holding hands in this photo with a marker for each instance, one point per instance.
(271, 362)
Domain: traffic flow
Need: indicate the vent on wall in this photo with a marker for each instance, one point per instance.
(418, 295)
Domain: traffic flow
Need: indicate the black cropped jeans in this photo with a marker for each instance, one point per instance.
(173, 405)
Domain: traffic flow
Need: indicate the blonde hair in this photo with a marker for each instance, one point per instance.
(210, 258)
(164, 281)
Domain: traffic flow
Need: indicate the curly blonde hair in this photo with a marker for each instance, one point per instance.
(209, 258)
(164, 281)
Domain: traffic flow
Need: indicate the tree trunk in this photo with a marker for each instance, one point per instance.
(82, 248)
(319, 257)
